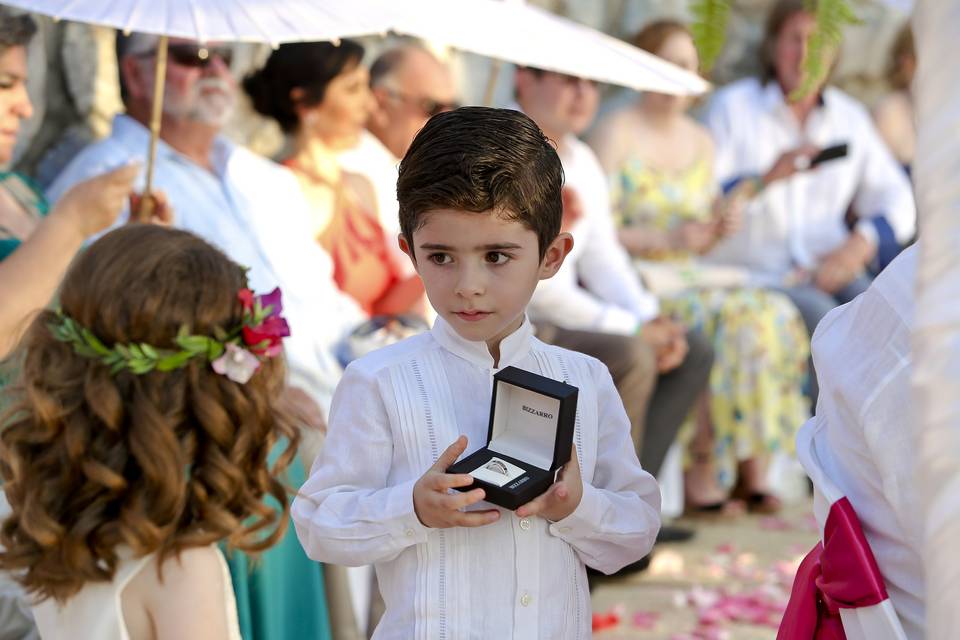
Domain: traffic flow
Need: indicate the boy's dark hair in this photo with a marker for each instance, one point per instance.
(481, 159)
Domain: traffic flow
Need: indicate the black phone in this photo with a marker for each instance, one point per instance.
(834, 152)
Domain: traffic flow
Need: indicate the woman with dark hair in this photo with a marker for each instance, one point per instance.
(319, 94)
(660, 165)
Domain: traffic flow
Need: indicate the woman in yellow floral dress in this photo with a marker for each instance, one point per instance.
(660, 164)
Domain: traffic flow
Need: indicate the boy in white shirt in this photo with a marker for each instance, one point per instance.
(480, 212)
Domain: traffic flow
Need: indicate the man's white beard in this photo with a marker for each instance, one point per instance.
(210, 102)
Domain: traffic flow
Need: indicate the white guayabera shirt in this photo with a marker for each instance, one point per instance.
(393, 414)
(862, 433)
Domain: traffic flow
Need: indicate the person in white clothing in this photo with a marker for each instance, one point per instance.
(480, 209)
(813, 230)
(596, 304)
(409, 85)
(861, 432)
(246, 205)
(150, 441)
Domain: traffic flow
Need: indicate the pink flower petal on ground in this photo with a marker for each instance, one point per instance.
(703, 598)
(646, 619)
(711, 617)
(774, 523)
(725, 548)
(712, 634)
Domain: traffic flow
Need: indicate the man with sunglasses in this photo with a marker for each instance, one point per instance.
(248, 206)
(253, 210)
(409, 85)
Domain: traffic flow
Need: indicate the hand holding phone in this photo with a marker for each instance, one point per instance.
(834, 152)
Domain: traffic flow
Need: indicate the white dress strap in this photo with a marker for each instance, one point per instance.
(229, 598)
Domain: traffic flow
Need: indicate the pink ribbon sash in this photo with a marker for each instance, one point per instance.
(839, 573)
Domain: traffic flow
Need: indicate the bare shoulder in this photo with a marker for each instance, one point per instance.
(700, 134)
(186, 599)
(362, 188)
(617, 135)
(894, 106)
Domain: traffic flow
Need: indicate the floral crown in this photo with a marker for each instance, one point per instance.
(235, 353)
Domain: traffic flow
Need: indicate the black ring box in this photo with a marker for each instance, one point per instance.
(532, 421)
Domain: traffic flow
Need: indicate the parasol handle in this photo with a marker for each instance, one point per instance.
(491, 83)
(156, 115)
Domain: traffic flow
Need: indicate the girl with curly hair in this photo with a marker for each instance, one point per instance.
(144, 430)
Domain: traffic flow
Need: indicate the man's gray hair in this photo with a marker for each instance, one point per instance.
(392, 59)
(133, 44)
(16, 28)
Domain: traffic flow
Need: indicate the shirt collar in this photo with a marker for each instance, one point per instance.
(512, 348)
(773, 97)
(134, 135)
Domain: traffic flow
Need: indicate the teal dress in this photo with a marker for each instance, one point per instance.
(281, 596)
(29, 196)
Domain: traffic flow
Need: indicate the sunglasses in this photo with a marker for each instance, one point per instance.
(427, 106)
(195, 56)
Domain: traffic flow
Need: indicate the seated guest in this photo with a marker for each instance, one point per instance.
(794, 237)
(254, 210)
(596, 304)
(318, 93)
(893, 114)
(660, 164)
(409, 85)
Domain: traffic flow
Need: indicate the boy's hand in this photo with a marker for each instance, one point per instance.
(438, 509)
(563, 496)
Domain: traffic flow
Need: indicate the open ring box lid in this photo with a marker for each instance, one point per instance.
(529, 439)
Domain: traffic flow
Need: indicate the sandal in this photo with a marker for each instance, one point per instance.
(719, 510)
(762, 503)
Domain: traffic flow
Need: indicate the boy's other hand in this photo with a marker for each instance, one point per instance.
(438, 509)
(563, 496)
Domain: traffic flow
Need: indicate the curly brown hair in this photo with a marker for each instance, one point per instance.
(158, 462)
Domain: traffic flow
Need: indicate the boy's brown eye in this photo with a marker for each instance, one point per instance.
(497, 257)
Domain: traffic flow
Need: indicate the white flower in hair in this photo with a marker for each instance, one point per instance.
(236, 363)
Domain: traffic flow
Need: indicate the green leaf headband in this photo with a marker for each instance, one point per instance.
(236, 353)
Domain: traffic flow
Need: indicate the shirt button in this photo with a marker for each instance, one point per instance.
(525, 524)
(564, 529)
(526, 599)
(409, 533)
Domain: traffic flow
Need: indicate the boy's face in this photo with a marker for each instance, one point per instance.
(480, 270)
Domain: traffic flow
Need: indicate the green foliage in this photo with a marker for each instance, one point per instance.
(831, 17)
(710, 19)
(138, 358)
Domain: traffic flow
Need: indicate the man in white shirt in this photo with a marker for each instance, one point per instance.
(860, 437)
(409, 85)
(246, 205)
(596, 304)
(795, 236)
